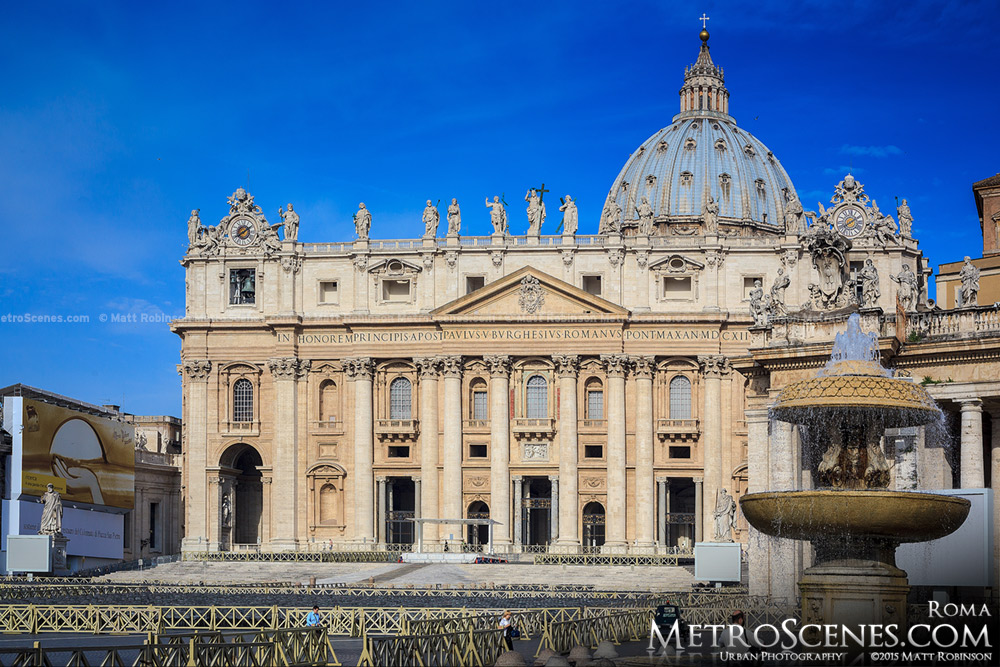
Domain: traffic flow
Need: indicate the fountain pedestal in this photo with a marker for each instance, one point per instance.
(854, 592)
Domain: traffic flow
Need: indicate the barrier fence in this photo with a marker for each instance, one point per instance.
(589, 631)
(477, 648)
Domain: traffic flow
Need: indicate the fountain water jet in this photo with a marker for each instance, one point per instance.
(853, 521)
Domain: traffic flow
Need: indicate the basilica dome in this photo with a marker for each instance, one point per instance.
(703, 154)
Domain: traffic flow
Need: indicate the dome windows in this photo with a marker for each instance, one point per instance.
(725, 184)
(720, 145)
(749, 150)
(690, 143)
(650, 180)
(662, 146)
(686, 178)
(759, 184)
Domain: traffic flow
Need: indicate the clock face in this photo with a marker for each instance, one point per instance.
(242, 232)
(850, 221)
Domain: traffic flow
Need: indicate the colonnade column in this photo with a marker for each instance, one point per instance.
(429, 368)
(971, 471)
(381, 532)
(451, 368)
(569, 511)
(518, 496)
(615, 366)
(645, 528)
(196, 374)
(286, 371)
(500, 447)
(360, 371)
(713, 367)
(699, 502)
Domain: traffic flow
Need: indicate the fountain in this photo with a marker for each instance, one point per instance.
(852, 520)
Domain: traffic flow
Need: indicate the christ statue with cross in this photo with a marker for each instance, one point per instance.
(536, 210)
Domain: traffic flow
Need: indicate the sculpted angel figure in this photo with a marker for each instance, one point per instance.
(570, 219)
(454, 218)
(884, 227)
(431, 219)
(757, 310)
(645, 213)
(498, 215)
(194, 228)
(909, 288)
(362, 222)
(291, 220)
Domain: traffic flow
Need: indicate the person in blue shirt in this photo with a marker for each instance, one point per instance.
(312, 620)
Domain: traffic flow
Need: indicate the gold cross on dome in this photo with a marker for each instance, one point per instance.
(703, 18)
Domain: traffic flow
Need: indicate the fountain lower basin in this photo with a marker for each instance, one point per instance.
(896, 516)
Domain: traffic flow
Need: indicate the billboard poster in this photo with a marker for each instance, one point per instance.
(87, 459)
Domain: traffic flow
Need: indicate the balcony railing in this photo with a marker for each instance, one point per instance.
(329, 426)
(476, 425)
(524, 426)
(157, 458)
(242, 428)
(397, 429)
(593, 425)
(677, 429)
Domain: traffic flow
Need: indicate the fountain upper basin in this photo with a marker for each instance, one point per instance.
(900, 516)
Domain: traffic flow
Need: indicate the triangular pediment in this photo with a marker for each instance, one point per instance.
(530, 292)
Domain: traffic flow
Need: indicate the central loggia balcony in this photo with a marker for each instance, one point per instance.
(532, 427)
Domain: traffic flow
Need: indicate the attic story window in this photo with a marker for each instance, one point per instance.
(395, 290)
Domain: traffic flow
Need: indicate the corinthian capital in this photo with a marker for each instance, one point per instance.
(451, 366)
(499, 364)
(615, 365)
(359, 368)
(429, 367)
(197, 369)
(643, 366)
(566, 365)
(288, 368)
(714, 365)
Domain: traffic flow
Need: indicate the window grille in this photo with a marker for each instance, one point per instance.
(400, 394)
(680, 398)
(480, 405)
(242, 401)
(595, 404)
(538, 398)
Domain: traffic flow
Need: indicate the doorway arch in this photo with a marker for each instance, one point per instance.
(593, 524)
(246, 494)
(478, 535)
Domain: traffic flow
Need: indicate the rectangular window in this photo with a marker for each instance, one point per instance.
(472, 283)
(480, 406)
(154, 525)
(676, 287)
(478, 451)
(242, 287)
(595, 405)
(592, 285)
(748, 285)
(593, 451)
(399, 452)
(680, 452)
(396, 290)
(127, 530)
(328, 291)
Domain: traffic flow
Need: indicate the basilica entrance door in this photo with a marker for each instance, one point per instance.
(401, 499)
(593, 525)
(536, 511)
(478, 535)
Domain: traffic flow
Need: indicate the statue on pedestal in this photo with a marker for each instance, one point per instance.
(194, 229)
(725, 517)
(793, 215)
(52, 513)
(454, 218)
(969, 275)
(431, 219)
(645, 213)
(757, 309)
(362, 222)
(905, 220)
(571, 217)
(291, 220)
(710, 214)
(909, 288)
(781, 283)
(536, 212)
(611, 217)
(498, 215)
(870, 291)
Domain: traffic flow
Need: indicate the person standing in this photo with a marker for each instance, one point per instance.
(506, 625)
(312, 620)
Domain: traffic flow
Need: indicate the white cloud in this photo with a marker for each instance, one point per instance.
(871, 151)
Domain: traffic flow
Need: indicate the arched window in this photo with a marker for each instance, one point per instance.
(242, 401)
(595, 399)
(538, 398)
(400, 395)
(329, 400)
(680, 398)
(480, 400)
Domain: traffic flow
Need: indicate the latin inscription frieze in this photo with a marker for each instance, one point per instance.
(516, 334)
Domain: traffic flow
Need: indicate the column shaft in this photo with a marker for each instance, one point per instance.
(615, 535)
(364, 486)
(500, 448)
(518, 523)
(661, 511)
(452, 479)
(381, 527)
(428, 501)
(713, 367)
(995, 483)
(971, 472)
(568, 497)
(195, 457)
(645, 528)
(699, 502)
(554, 509)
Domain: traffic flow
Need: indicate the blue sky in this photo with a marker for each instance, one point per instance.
(117, 119)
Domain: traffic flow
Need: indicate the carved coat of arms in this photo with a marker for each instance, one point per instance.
(532, 296)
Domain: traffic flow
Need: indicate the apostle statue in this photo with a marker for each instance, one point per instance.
(454, 218)
(870, 291)
(571, 219)
(757, 309)
(227, 511)
(498, 215)
(969, 275)
(645, 213)
(725, 517)
(52, 512)
(905, 220)
(793, 215)
(362, 222)
(611, 217)
(431, 219)
(194, 229)
(909, 288)
(536, 212)
(710, 214)
(781, 283)
(291, 220)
